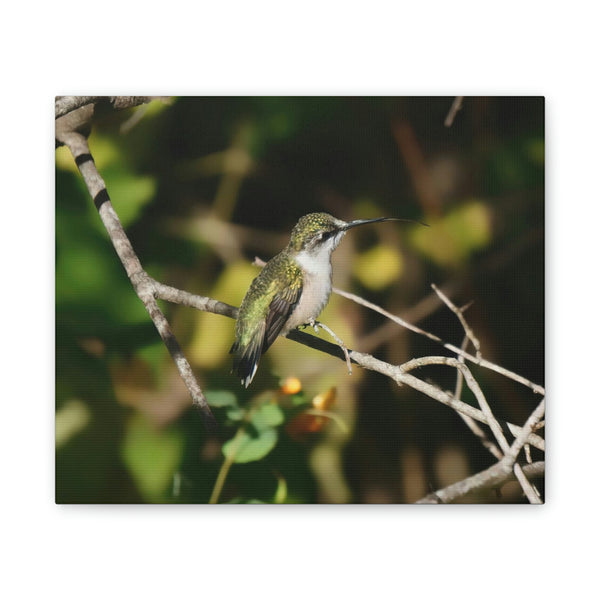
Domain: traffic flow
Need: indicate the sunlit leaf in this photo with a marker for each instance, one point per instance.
(281, 491)
(221, 398)
(129, 193)
(299, 399)
(451, 240)
(269, 415)
(70, 419)
(246, 447)
(236, 413)
(65, 160)
(105, 150)
(152, 456)
(378, 267)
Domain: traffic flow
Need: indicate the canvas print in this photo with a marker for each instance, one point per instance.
(299, 300)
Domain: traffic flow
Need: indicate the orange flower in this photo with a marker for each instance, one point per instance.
(325, 400)
(291, 386)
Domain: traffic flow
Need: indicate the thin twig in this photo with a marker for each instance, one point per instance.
(401, 376)
(471, 424)
(478, 361)
(471, 383)
(456, 106)
(459, 313)
(530, 491)
(317, 324)
(510, 452)
(464, 408)
(528, 427)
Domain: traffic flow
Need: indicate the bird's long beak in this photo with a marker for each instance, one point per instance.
(366, 221)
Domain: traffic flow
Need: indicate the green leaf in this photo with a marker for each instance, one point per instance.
(299, 399)
(235, 413)
(268, 415)
(281, 491)
(245, 447)
(221, 398)
(152, 456)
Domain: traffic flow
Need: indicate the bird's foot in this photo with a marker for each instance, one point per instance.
(316, 324)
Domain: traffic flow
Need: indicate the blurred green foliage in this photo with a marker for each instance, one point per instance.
(202, 186)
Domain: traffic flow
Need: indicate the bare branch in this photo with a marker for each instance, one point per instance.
(400, 376)
(530, 492)
(471, 424)
(471, 383)
(459, 313)
(478, 361)
(66, 104)
(529, 427)
(502, 471)
(142, 283)
(366, 361)
(490, 478)
(171, 294)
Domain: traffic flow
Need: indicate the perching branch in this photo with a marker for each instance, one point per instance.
(398, 374)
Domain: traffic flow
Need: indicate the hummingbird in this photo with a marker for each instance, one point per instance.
(291, 290)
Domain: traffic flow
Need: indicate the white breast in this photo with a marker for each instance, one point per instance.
(316, 287)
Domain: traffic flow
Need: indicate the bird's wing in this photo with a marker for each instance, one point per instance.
(280, 309)
(275, 299)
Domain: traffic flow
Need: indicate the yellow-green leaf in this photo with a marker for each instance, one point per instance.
(378, 267)
(152, 456)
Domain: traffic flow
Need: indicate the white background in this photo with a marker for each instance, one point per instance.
(424, 48)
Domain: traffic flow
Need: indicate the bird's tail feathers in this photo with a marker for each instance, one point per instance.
(246, 358)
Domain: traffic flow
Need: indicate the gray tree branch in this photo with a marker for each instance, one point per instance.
(490, 478)
(142, 283)
(66, 104)
(538, 389)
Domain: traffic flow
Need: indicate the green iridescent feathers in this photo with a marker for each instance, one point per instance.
(269, 302)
